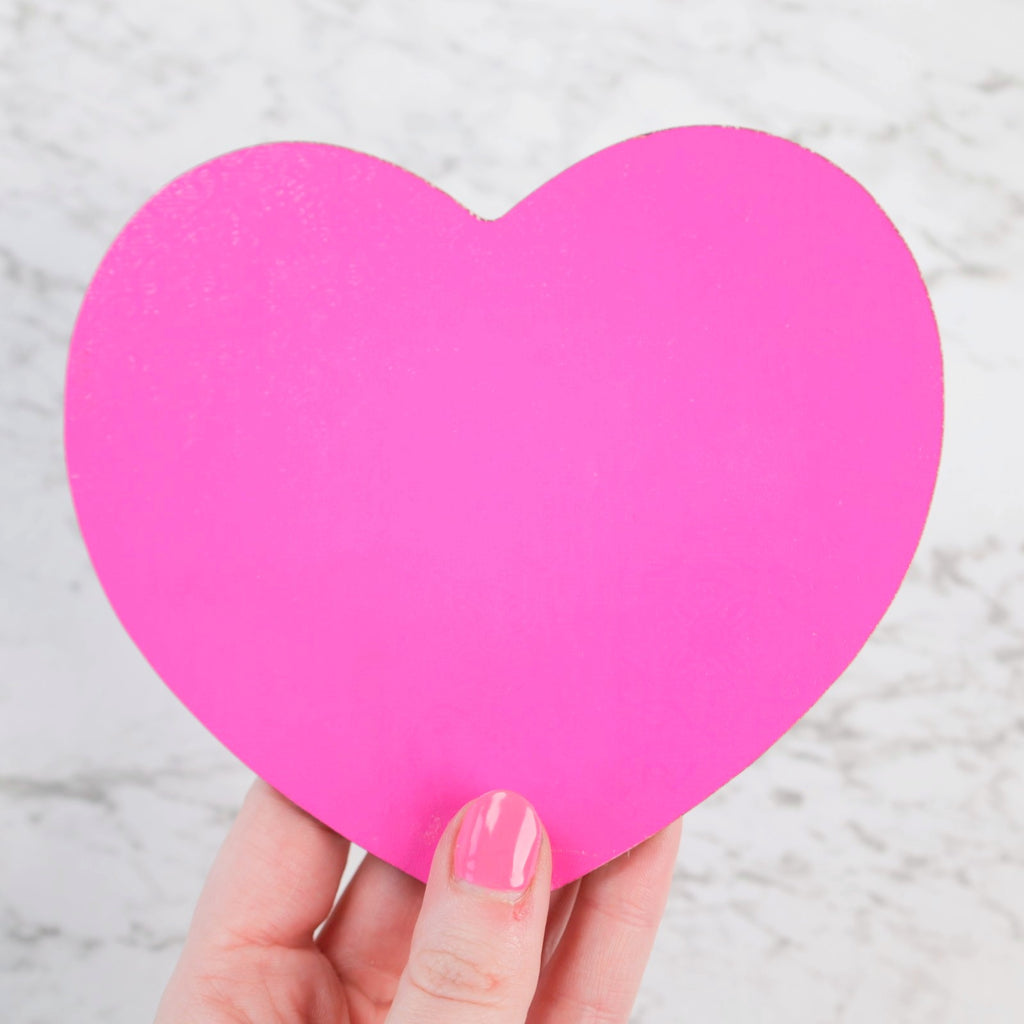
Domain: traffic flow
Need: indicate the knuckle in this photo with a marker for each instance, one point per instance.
(633, 912)
(594, 1009)
(458, 976)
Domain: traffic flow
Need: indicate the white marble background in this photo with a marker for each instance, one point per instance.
(870, 868)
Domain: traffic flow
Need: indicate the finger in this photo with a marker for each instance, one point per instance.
(559, 911)
(596, 970)
(368, 934)
(275, 878)
(476, 947)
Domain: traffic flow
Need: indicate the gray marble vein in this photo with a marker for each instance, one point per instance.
(870, 867)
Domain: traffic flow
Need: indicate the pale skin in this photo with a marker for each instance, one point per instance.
(271, 944)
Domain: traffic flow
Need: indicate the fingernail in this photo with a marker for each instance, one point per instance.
(498, 842)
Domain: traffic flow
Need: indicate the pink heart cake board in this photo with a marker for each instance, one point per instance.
(591, 501)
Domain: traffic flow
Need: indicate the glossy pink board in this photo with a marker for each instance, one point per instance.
(591, 502)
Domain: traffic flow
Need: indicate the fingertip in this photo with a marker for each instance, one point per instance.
(477, 945)
(498, 846)
(276, 875)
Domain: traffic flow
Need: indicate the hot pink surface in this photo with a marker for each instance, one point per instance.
(590, 502)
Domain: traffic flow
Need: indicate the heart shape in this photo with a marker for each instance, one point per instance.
(591, 501)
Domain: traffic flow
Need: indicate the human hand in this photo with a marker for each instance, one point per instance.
(482, 942)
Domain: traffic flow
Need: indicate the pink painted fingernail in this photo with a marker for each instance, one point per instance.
(498, 842)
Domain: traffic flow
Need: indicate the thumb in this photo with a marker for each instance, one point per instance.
(476, 948)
